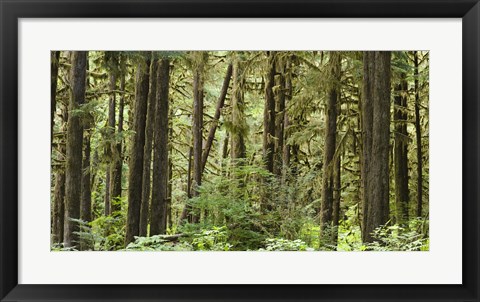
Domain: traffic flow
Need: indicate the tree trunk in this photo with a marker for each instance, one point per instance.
(198, 81)
(326, 208)
(86, 202)
(269, 113)
(286, 123)
(280, 114)
(376, 134)
(401, 150)
(238, 127)
(213, 128)
(59, 201)
(116, 177)
(158, 219)
(108, 199)
(54, 58)
(418, 134)
(187, 208)
(147, 159)
(336, 199)
(137, 150)
(73, 171)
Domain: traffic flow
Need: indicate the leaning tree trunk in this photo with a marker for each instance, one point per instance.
(137, 149)
(216, 117)
(158, 219)
(418, 134)
(147, 157)
(376, 134)
(326, 207)
(73, 170)
(401, 150)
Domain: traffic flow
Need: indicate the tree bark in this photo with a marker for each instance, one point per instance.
(269, 113)
(109, 148)
(137, 150)
(418, 134)
(158, 219)
(326, 208)
(116, 177)
(54, 62)
(197, 128)
(86, 202)
(280, 114)
(147, 159)
(376, 134)
(216, 117)
(238, 128)
(73, 172)
(401, 150)
(59, 201)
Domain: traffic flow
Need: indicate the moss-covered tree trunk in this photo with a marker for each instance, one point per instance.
(418, 135)
(147, 157)
(238, 127)
(279, 113)
(54, 62)
(326, 208)
(118, 158)
(400, 117)
(269, 113)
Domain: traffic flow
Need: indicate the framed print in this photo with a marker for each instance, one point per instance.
(316, 150)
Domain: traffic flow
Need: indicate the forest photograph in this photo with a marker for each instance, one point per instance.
(239, 150)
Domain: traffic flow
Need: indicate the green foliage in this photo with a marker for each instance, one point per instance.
(280, 244)
(400, 238)
(156, 243)
(212, 240)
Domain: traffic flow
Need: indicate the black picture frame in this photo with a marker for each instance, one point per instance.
(11, 11)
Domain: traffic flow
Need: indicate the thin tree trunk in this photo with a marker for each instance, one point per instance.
(336, 199)
(269, 113)
(117, 166)
(280, 115)
(54, 58)
(59, 201)
(401, 150)
(216, 117)
(137, 150)
(86, 202)
(109, 148)
(147, 159)
(73, 172)
(158, 219)
(187, 208)
(288, 99)
(108, 199)
(198, 78)
(418, 134)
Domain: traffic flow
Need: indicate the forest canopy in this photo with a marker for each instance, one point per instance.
(239, 150)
